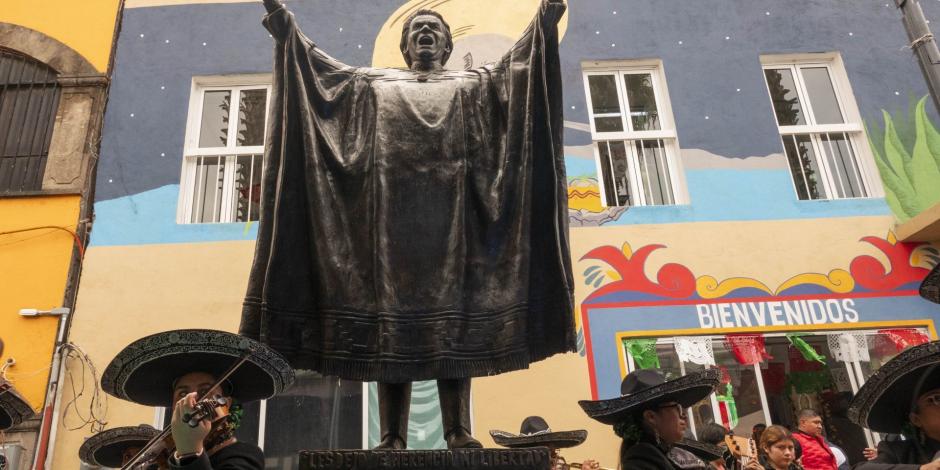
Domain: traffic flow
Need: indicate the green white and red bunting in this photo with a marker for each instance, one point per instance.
(748, 349)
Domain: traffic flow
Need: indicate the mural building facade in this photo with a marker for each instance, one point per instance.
(739, 177)
(55, 61)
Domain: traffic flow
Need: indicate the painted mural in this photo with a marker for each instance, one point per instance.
(624, 299)
(741, 196)
(907, 151)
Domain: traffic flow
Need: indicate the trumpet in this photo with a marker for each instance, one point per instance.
(578, 466)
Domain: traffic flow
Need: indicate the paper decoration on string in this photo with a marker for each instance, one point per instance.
(727, 407)
(695, 350)
(848, 347)
(903, 338)
(808, 352)
(748, 349)
(643, 351)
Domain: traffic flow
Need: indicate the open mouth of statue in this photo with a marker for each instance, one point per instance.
(426, 41)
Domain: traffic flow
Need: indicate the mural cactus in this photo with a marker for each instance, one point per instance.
(907, 152)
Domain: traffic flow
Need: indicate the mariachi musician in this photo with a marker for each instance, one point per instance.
(535, 432)
(650, 416)
(903, 397)
(113, 448)
(182, 369)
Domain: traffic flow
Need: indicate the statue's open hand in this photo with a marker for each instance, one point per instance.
(272, 5)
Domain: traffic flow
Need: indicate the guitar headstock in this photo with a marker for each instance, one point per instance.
(741, 446)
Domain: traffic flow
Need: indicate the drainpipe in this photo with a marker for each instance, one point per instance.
(923, 44)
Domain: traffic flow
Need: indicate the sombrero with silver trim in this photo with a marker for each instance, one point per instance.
(14, 409)
(106, 449)
(535, 432)
(703, 450)
(144, 371)
(644, 387)
(930, 287)
(885, 400)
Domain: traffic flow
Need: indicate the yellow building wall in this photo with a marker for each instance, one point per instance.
(129, 292)
(87, 26)
(33, 271)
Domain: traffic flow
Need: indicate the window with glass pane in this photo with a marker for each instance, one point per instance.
(654, 172)
(315, 413)
(741, 381)
(643, 113)
(634, 144)
(614, 169)
(783, 93)
(605, 102)
(223, 166)
(819, 142)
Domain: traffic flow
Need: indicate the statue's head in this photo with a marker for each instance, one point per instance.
(426, 40)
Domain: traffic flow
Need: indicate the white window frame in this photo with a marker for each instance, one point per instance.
(191, 150)
(852, 127)
(666, 134)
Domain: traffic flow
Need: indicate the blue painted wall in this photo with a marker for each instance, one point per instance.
(141, 153)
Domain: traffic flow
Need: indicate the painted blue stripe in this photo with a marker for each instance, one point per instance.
(744, 195)
(717, 195)
(150, 218)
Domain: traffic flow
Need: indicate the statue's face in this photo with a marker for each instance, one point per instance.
(427, 40)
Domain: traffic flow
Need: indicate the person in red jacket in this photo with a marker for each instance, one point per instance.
(816, 452)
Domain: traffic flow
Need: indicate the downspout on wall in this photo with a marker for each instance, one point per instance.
(924, 45)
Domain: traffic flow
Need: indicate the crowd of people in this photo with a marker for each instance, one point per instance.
(901, 402)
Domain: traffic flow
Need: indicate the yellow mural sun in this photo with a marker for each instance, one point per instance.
(483, 30)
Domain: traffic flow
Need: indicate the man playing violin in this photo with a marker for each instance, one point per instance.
(202, 375)
(210, 443)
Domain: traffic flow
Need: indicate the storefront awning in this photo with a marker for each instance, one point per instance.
(924, 227)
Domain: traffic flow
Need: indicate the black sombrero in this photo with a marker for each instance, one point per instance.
(930, 287)
(703, 450)
(885, 401)
(535, 432)
(106, 449)
(144, 371)
(13, 407)
(646, 386)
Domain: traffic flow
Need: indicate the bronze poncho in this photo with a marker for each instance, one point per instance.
(413, 227)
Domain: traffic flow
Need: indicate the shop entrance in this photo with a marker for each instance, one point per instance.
(768, 378)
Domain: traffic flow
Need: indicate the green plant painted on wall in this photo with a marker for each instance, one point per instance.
(907, 152)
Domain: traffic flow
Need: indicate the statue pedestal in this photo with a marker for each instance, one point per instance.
(536, 458)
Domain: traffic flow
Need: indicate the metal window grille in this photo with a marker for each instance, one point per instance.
(636, 173)
(29, 97)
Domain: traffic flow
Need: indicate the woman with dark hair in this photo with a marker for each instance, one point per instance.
(179, 367)
(777, 449)
(903, 396)
(650, 415)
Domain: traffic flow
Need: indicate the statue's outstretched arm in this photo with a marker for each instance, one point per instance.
(553, 9)
(273, 5)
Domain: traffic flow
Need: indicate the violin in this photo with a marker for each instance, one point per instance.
(156, 453)
(211, 406)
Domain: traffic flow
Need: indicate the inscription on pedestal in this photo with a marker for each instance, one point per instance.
(536, 458)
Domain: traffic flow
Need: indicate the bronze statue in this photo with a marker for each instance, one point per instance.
(414, 221)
